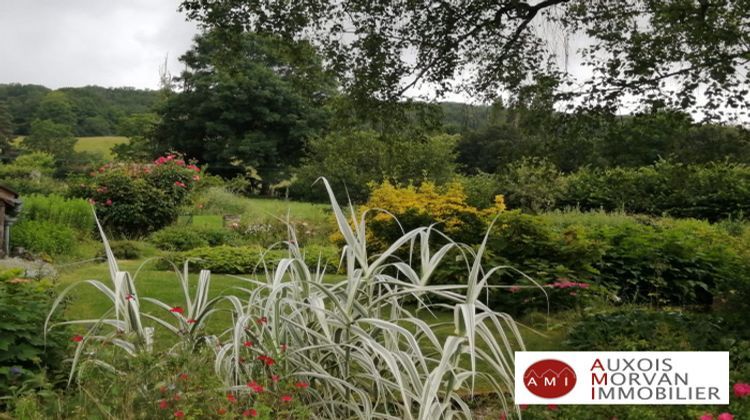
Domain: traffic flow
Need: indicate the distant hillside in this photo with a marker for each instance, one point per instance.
(460, 118)
(96, 110)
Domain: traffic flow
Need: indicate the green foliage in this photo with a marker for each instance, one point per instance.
(31, 173)
(633, 329)
(50, 137)
(71, 212)
(124, 249)
(481, 189)
(55, 107)
(41, 236)
(713, 191)
(7, 151)
(136, 128)
(258, 99)
(136, 199)
(187, 237)
(625, 63)
(26, 358)
(533, 185)
(353, 159)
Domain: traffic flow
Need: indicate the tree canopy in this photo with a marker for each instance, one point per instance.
(251, 105)
(679, 52)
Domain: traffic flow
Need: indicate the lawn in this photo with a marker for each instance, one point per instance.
(102, 145)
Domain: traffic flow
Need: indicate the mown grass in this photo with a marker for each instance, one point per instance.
(102, 145)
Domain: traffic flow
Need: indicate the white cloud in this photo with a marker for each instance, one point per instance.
(91, 42)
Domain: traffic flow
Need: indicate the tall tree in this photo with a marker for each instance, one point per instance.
(6, 134)
(670, 50)
(252, 105)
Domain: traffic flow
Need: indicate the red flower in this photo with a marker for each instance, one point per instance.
(231, 398)
(129, 297)
(193, 167)
(180, 162)
(191, 321)
(183, 376)
(77, 338)
(163, 404)
(262, 320)
(177, 310)
(707, 416)
(221, 411)
(180, 184)
(248, 344)
(275, 378)
(267, 360)
(725, 416)
(302, 385)
(108, 202)
(179, 413)
(286, 398)
(256, 387)
(251, 412)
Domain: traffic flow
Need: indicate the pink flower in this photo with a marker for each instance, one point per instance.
(108, 202)
(180, 162)
(286, 398)
(275, 378)
(301, 385)
(177, 310)
(129, 297)
(707, 416)
(741, 389)
(163, 404)
(180, 184)
(193, 167)
(250, 412)
(515, 289)
(725, 416)
(179, 413)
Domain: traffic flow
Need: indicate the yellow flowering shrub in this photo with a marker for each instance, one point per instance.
(424, 205)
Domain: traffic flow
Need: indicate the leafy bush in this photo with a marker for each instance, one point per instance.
(352, 160)
(73, 213)
(41, 236)
(126, 250)
(632, 329)
(249, 259)
(425, 205)
(481, 189)
(712, 191)
(27, 360)
(32, 174)
(178, 238)
(134, 199)
(532, 184)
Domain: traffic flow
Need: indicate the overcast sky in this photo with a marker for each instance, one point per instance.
(59, 43)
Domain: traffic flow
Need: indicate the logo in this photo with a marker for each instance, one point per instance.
(549, 378)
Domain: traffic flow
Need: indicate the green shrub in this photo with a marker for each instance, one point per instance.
(73, 213)
(712, 191)
(481, 189)
(31, 173)
(133, 200)
(633, 329)
(41, 236)
(248, 259)
(178, 238)
(638, 259)
(532, 185)
(124, 249)
(27, 361)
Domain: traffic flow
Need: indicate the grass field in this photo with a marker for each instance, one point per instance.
(101, 145)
